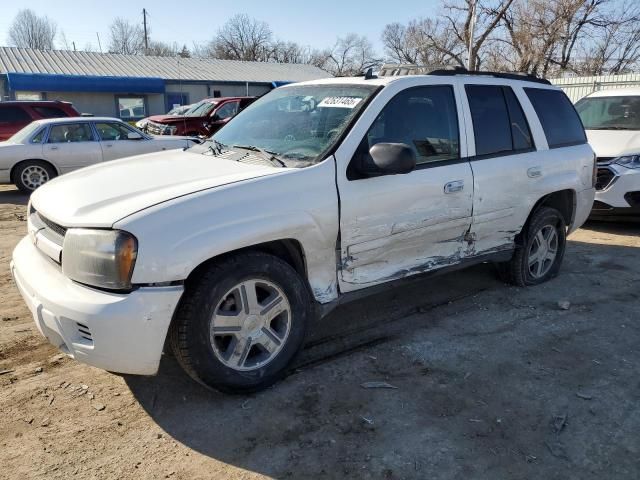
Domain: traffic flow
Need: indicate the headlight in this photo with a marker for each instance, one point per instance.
(170, 130)
(629, 161)
(102, 258)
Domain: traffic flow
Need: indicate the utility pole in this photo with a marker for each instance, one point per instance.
(146, 41)
(472, 25)
(74, 46)
(99, 46)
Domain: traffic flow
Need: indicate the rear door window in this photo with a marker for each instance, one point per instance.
(70, 133)
(560, 121)
(499, 124)
(50, 112)
(491, 124)
(11, 114)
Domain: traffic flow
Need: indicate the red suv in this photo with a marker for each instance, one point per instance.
(202, 119)
(16, 115)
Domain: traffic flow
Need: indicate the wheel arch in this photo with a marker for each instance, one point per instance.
(562, 200)
(288, 249)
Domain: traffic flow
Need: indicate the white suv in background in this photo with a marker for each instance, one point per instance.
(611, 119)
(317, 193)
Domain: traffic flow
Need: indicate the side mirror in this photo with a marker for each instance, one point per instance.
(134, 136)
(392, 159)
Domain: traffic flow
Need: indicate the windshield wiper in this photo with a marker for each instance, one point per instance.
(269, 156)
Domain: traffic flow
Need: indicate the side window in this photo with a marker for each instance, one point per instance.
(39, 137)
(424, 118)
(70, 133)
(227, 110)
(112, 131)
(560, 121)
(12, 114)
(50, 112)
(491, 124)
(520, 132)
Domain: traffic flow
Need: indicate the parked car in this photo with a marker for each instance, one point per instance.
(203, 118)
(611, 119)
(47, 148)
(316, 194)
(181, 110)
(16, 115)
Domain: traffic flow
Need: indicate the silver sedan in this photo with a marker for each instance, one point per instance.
(48, 148)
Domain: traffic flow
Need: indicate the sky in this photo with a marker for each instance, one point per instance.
(310, 23)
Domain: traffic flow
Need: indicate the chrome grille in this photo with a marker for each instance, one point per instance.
(59, 229)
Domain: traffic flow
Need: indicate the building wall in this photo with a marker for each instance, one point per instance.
(578, 87)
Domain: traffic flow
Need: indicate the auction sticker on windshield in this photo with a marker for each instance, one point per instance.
(340, 102)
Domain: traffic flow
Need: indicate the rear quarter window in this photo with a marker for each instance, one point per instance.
(50, 112)
(10, 114)
(560, 121)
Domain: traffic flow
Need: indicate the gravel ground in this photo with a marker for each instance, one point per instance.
(491, 381)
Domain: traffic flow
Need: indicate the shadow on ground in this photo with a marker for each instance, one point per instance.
(13, 197)
(497, 383)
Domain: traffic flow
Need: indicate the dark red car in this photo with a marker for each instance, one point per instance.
(16, 115)
(202, 119)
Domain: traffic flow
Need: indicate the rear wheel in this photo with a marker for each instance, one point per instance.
(31, 174)
(241, 323)
(540, 256)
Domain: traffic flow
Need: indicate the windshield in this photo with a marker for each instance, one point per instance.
(297, 122)
(23, 135)
(610, 113)
(200, 109)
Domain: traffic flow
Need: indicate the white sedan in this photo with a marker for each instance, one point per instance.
(45, 149)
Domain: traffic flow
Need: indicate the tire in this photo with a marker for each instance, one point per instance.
(218, 334)
(542, 226)
(31, 174)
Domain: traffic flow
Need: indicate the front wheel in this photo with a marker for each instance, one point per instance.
(241, 322)
(540, 256)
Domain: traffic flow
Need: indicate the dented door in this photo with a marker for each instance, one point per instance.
(394, 226)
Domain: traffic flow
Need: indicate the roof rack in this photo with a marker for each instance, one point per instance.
(393, 70)
(510, 75)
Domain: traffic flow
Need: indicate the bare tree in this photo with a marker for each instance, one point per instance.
(242, 38)
(126, 37)
(351, 55)
(471, 22)
(162, 49)
(28, 30)
(400, 43)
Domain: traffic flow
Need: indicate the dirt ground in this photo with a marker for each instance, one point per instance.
(492, 382)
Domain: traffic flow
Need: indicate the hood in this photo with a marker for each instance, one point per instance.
(171, 118)
(100, 195)
(613, 143)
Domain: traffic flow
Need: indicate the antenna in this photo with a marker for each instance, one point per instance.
(369, 74)
(99, 46)
(146, 37)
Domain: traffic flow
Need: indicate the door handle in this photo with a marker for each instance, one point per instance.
(534, 172)
(53, 147)
(453, 187)
(108, 145)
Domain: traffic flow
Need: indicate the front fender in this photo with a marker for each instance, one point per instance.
(300, 204)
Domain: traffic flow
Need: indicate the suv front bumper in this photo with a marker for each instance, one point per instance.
(621, 194)
(122, 333)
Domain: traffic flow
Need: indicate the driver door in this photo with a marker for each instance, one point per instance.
(393, 226)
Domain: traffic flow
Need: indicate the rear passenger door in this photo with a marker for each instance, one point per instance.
(72, 145)
(504, 163)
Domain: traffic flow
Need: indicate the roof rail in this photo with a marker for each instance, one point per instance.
(396, 70)
(510, 75)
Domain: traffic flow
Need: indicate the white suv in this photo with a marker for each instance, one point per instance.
(311, 196)
(612, 121)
